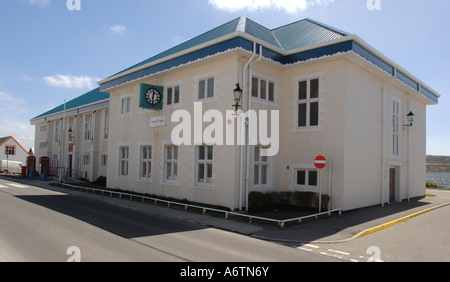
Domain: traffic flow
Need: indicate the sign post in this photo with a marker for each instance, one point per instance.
(320, 162)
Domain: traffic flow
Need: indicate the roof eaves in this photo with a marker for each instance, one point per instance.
(421, 85)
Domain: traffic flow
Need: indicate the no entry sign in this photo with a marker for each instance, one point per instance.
(320, 162)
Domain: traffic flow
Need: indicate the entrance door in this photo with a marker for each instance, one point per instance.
(69, 165)
(391, 185)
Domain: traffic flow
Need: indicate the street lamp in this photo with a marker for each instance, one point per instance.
(411, 117)
(237, 96)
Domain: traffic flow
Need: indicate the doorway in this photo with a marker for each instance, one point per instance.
(391, 185)
(69, 165)
(394, 185)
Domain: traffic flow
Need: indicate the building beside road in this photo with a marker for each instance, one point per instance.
(11, 150)
(166, 126)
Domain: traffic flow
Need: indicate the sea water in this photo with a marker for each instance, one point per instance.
(439, 178)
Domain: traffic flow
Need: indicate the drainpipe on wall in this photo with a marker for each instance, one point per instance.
(241, 149)
(249, 104)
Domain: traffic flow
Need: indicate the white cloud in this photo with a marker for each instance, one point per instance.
(70, 81)
(118, 28)
(6, 99)
(40, 3)
(290, 6)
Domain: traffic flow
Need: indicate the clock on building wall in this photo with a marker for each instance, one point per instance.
(151, 97)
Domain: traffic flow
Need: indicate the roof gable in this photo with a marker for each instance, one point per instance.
(306, 33)
(3, 140)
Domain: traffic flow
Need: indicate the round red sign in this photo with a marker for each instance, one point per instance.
(320, 162)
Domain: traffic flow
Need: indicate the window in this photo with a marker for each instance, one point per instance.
(10, 150)
(261, 167)
(88, 134)
(146, 162)
(171, 163)
(43, 128)
(86, 160)
(173, 95)
(124, 155)
(395, 128)
(104, 161)
(57, 132)
(70, 130)
(204, 164)
(206, 88)
(308, 103)
(125, 107)
(306, 178)
(55, 161)
(263, 89)
(106, 125)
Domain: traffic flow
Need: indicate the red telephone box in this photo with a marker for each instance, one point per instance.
(31, 166)
(45, 167)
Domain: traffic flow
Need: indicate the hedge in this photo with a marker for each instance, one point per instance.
(271, 201)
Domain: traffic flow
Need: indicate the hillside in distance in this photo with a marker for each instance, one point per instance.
(438, 163)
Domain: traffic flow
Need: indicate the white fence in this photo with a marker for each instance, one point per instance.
(281, 223)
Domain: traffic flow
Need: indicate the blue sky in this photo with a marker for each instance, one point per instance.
(49, 53)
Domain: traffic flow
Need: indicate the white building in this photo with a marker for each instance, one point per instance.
(335, 95)
(11, 150)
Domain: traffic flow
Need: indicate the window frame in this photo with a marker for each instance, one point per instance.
(106, 125)
(171, 91)
(395, 133)
(174, 164)
(86, 159)
(88, 127)
(57, 133)
(124, 162)
(307, 183)
(308, 101)
(148, 176)
(207, 161)
(125, 106)
(296, 102)
(259, 89)
(206, 78)
(9, 149)
(258, 163)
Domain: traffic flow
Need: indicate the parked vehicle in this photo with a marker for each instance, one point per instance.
(11, 167)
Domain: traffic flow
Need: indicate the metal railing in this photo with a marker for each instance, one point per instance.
(227, 214)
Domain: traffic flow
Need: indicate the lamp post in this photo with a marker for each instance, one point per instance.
(411, 116)
(237, 96)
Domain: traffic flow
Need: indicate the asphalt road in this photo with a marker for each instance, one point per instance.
(38, 225)
(424, 238)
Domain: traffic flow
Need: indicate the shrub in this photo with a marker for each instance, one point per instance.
(271, 201)
(101, 181)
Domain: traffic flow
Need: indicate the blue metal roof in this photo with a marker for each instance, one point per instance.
(85, 99)
(293, 36)
(284, 45)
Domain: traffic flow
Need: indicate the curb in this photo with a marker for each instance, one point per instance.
(386, 225)
(359, 235)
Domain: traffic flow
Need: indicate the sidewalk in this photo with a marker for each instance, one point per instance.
(330, 230)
